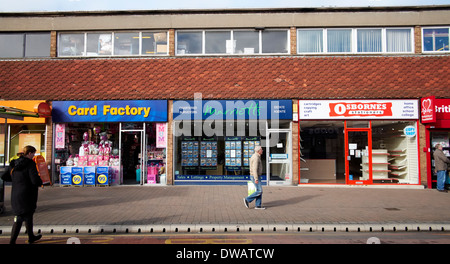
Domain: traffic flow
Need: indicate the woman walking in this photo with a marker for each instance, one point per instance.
(24, 193)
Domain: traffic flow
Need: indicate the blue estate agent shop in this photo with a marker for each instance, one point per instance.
(102, 143)
(214, 140)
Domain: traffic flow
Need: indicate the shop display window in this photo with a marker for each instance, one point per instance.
(225, 153)
(394, 152)
(87, 144)
(98, 145)
(22, 135)
(402, 150)
(322, 147)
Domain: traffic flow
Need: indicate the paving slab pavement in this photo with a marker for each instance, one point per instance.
(220, 208)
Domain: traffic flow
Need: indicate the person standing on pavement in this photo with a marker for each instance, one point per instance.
(255, 175)
(24, 193)
(440, 166)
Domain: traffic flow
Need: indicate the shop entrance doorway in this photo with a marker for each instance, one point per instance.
(279, 160)
(132, 152)
(358, 150)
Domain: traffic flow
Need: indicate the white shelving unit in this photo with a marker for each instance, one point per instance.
(380, 166)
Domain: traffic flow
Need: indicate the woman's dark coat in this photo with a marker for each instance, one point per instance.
(25, 185)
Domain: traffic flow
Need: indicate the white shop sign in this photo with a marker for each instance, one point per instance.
(358, 109)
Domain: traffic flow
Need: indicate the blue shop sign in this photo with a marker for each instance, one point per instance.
(109, 111)
(232, 110)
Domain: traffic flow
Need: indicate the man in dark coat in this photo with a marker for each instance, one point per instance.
(24, 193)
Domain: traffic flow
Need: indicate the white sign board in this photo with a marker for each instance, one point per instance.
(358, 109)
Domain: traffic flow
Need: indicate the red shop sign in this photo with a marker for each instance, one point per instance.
(428, 112)
(442, 109)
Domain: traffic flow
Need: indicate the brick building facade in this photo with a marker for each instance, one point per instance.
(313, 64)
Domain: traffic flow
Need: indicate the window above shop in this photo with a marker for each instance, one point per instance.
(435, 39)
(232, 42)
(92, 44)
(24, 45)
(355, 40)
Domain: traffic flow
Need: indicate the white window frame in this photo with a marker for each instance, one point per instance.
(203, 31)
(354, 40)
(84, 53)
(434, 51)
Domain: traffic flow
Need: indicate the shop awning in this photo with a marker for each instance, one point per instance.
(15, 113)
(41, 110)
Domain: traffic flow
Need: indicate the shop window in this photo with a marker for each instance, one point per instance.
(19, 45)
(322, 146)
(393, 138)
(87, 144)
(435, 39)
(394, 152)
(22, 135)
(223, 153)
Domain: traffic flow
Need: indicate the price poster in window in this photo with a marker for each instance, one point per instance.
(208, 153)
(233, 153)
(189, 153)
(249, 144)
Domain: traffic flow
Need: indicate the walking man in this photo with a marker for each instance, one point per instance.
(255, 175)
(440, 164)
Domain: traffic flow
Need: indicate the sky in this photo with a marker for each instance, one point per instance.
(106, 5)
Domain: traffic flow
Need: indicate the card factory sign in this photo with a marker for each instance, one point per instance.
(358, 109)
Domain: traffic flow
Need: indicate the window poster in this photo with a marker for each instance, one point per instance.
(32, 139)
(233, 153)
(208, 153)
(189, 153)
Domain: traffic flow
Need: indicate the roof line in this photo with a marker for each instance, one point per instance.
(231, 10)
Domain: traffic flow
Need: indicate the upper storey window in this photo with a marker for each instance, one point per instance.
(355, 40)
(435, 39)
(112, 44)
(231, 42)
(24, 45)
